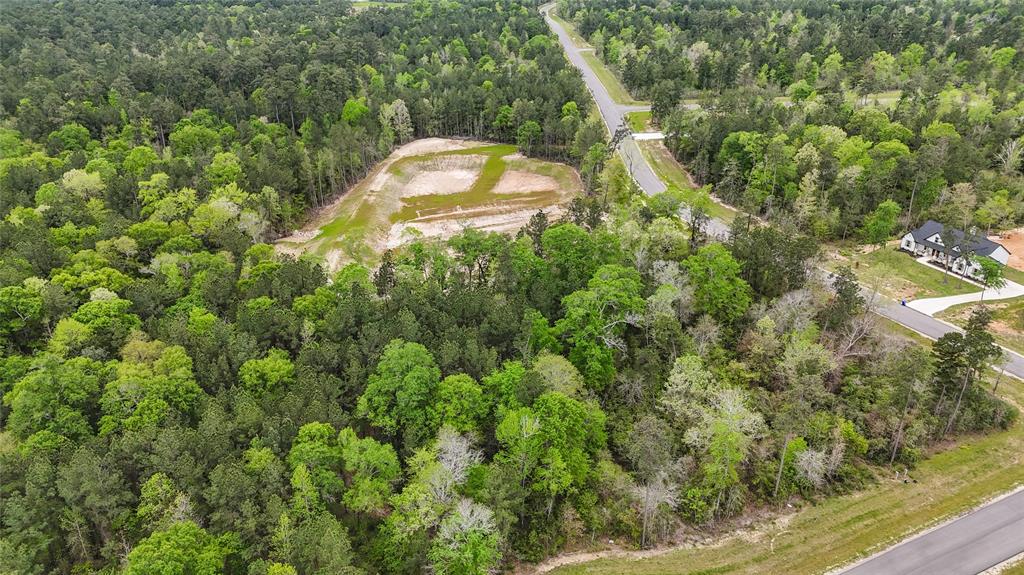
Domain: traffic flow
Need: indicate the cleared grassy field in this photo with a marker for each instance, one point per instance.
(1007, 320)
(672, 173)
(639, 121)
(434, 188)
(839, 530)
(896, 275)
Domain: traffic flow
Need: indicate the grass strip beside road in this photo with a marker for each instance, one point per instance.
(672, 173)
(842, 529)
(610, 81)
(1015, 569)
(1007, 320)
(577, 40)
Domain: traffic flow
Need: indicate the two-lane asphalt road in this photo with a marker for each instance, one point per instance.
(613, 114)
(966, 546)
(975, 542)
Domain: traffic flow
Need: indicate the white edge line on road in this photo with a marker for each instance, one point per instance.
(914, 535)
(955, 327)
(996, 569)
(960, 329)
(906, 538)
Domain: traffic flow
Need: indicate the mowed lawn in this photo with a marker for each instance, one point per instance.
(897, 275)
(839, 530)
(669, 170)
(1007, 320)
(639, 121)
(1013, 274)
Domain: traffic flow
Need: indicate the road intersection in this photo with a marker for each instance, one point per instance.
(967, 546)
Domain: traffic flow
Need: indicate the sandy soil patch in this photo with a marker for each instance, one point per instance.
(431, 146)
(1013, 241)
(435, 183)
(378, 213)
(487, 219)
(517, 181)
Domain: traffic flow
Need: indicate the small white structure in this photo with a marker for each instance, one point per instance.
(927, 241)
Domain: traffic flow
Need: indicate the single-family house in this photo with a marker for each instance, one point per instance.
(927, 241)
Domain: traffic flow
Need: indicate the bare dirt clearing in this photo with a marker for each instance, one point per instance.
(434, 188)
(1013, 241)
(515, 181)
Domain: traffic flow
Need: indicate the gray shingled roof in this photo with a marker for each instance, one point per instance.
(977, 244)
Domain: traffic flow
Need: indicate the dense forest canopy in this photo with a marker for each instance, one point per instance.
(301, 97)
(817, 112)
(177, 397)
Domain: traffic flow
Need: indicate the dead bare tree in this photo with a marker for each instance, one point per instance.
(651, 496)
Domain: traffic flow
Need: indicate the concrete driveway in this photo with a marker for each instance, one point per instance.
(933, 305)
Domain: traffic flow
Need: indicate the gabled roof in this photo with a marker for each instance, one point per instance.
(977, 244)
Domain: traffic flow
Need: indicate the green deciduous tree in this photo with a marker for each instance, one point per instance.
(718, 288)
(181, 548)
(371, 469)
(274, 372)
(57, 396)
(596, 318)
(880, 224)
(399, 392)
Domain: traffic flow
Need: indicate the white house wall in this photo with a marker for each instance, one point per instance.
(1001, 255)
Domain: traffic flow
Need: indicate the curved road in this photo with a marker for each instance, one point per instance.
(613, 115)
(965, 546)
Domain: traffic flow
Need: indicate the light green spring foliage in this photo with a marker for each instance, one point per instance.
(274, 372)
(181, 548)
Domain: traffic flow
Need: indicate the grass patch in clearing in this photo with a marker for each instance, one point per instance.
(897, 275)
(639, 121)
(478, 194)
(672, 173)
(610, 81)
(433, 194)
(1007, 320)
(564, 175)
(845, 528)
(887, 98)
